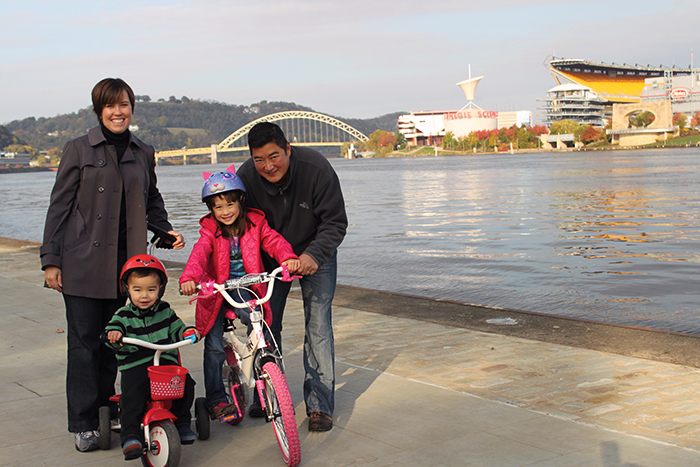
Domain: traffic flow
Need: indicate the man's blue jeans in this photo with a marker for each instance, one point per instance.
(317, 291)
(215, 356)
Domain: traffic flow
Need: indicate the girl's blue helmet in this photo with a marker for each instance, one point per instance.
(221, 182)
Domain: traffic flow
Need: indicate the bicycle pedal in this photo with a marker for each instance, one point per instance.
(228, 418)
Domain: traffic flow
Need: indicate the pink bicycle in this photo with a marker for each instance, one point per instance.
(256, 363)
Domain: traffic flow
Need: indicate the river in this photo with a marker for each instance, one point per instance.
(611, 236)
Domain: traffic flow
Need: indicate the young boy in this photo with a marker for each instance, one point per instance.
(148, 318)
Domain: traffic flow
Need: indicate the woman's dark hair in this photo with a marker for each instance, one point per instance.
(241, 224)
(109, 91)
(266, 132)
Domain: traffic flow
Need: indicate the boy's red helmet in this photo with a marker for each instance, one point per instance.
(142, 262)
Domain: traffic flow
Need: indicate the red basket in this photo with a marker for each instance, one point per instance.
(167, 382)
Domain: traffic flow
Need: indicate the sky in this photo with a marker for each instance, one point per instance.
(352, 59)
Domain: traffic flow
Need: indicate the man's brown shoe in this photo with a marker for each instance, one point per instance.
(319, 422)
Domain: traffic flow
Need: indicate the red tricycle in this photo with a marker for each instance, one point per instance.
(162, 441)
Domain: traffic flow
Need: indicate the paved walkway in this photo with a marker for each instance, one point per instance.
(408, 393)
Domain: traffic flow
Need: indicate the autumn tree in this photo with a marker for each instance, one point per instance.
(680, 119)
(564, 127)
(400, 140)
(591, 134)
(381, 142)
(695, 121)
(22, 149)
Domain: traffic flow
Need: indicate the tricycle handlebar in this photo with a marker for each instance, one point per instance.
(152, 346)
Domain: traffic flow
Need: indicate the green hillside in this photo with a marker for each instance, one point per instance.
(7, 138)
(172, 124)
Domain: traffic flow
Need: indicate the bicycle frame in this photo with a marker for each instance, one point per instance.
(254, 350)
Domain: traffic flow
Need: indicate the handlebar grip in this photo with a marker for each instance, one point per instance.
(161, 238)
(191, 338)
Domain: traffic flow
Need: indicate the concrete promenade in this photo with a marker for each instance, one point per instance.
(409, 391)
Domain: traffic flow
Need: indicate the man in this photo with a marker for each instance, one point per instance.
(299, 192)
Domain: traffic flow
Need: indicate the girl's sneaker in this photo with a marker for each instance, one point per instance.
(87, 441)
(132, 449)
(221, 410)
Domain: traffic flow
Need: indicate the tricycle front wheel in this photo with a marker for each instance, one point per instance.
(164, 450)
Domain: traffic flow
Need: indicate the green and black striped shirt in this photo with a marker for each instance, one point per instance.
(159, 325)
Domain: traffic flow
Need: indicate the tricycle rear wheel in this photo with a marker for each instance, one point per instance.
(105, 428)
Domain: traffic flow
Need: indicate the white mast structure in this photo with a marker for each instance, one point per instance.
(469, 86)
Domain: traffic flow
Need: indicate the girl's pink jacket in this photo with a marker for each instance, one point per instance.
(210, 260)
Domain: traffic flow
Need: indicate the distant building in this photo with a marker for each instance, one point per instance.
(683, 90)
(577, 103)
(428, 128)
(422, 128)
(11, 159)
(608, 84)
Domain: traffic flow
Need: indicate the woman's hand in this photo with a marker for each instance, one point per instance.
(53, 278)
(179, 242)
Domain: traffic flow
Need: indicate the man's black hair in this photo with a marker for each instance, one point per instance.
(264, 133)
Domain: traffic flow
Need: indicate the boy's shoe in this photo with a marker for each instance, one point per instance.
(255, 410)
(319, 422)
(221, 410)
(87, 441)
(132, 449)
(187, 436)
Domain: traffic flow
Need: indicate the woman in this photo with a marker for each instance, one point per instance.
(105, 190)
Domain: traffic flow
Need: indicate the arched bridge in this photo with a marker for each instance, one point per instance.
(302, 128)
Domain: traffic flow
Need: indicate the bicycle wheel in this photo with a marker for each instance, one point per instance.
(164, 450)
(279, 408)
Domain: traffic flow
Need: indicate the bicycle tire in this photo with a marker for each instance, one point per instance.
(166, 441)
(280, 410)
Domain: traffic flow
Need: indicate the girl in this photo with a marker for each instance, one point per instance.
(231, 238)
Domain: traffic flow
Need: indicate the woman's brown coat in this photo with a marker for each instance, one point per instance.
(82, 222)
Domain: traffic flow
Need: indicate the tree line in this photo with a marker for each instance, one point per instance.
(168, 124)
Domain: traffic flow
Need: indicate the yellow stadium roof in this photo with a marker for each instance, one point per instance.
(618, 83)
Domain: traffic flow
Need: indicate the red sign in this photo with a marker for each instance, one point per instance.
(469, 114)
(680, 94)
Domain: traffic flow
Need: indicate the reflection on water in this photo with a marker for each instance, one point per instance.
(610, 236)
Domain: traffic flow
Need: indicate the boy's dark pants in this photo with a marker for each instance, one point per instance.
(136, 392)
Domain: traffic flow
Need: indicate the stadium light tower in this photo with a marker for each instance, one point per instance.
(469, 87)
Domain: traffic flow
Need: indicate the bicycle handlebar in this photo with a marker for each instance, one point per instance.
(210, 288)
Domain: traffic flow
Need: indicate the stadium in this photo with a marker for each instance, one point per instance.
(586, 90)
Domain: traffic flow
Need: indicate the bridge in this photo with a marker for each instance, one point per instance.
(302, 128)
